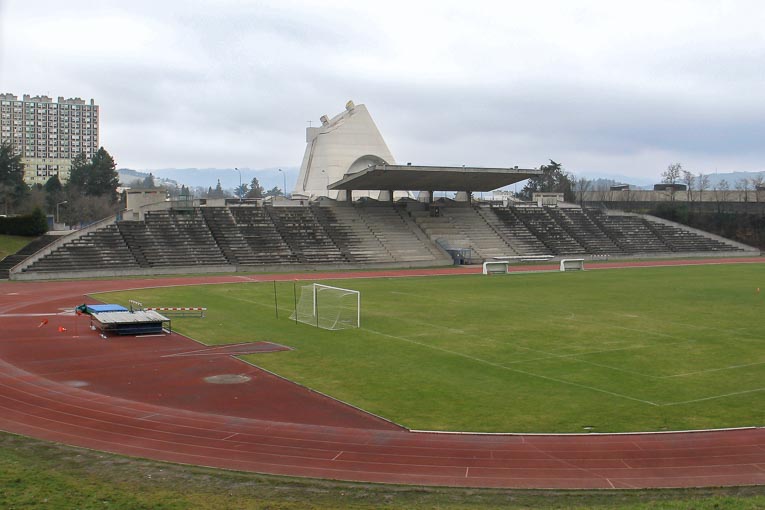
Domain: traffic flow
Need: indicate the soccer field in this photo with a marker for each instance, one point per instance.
(609, 351)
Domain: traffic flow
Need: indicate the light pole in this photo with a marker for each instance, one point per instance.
(57, 205)
(240, 183)
(285, 182)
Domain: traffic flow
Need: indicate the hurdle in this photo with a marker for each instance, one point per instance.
(180, 311)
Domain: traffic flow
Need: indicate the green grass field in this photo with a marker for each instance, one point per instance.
(12, 244)
(616, 350)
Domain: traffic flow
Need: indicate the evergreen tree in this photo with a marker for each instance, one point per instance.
(148, 181)
(103, 179)
(79, 172)
(552, 180)
(256, 190)
(54, 193)
(13, 190)
(38, 224)
(275, 192)
(97, 177)
(241, 191)
(217, 192)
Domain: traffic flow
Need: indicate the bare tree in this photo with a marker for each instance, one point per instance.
(671, 176)
(689, 180)
(757, 183)
(602, 192)
(742, 185)
(721, 193)
(702, 182)
(581, 186)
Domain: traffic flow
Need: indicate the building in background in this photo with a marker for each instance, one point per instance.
(342, 145)
(48, 135)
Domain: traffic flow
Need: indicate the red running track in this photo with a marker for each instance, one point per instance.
(148, 397)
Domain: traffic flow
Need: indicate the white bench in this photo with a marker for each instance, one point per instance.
(572, 265)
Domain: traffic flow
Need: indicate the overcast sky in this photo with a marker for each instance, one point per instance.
(604, 87)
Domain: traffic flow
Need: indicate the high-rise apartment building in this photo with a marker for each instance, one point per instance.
(48, 135)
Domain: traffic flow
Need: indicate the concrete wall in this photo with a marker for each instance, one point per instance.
(625, 196)
(347, 143)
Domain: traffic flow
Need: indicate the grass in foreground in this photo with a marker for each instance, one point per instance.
(617, 350)
(36, 474)
(12, 244)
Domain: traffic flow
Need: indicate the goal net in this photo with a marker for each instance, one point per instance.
(328, 307)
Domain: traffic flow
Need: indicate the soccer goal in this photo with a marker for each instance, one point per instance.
(495, 267)
(328, 307)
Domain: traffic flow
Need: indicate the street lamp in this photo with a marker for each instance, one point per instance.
(240, 183)
(58, 204)
(285, 182)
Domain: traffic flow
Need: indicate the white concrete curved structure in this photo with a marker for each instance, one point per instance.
(347, 143)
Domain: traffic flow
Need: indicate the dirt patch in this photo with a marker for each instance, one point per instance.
(228, 379)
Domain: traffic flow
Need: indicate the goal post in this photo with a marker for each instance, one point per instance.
(495, 267)
(328, 307)
(572, 265)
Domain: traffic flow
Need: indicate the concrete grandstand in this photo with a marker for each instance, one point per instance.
(321, 227)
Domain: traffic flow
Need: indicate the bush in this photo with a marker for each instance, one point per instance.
(34, 224)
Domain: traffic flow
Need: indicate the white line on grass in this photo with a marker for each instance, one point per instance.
(714, 397)
(546, 355)
(503, 367)
(732, 367)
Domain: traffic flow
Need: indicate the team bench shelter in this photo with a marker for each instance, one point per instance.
(118, 320)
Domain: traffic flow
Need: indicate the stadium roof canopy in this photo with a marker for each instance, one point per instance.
(431, 178)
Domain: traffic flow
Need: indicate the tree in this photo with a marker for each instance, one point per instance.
(256, 190)
(552, 180)
(148, 181)
(103, 179)
(217, 192)
(274, 192)
(689, 180)
(97, 177)
(757, 184)
(85, 209)
(79, 171)
(12, 187)
(39, 223)
(671, 176)
(581, 186)
(721, 193)
(54, 193)
(742, 185)
(241, 190)
(703, 185)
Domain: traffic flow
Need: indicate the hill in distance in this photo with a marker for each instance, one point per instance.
(208, 177)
